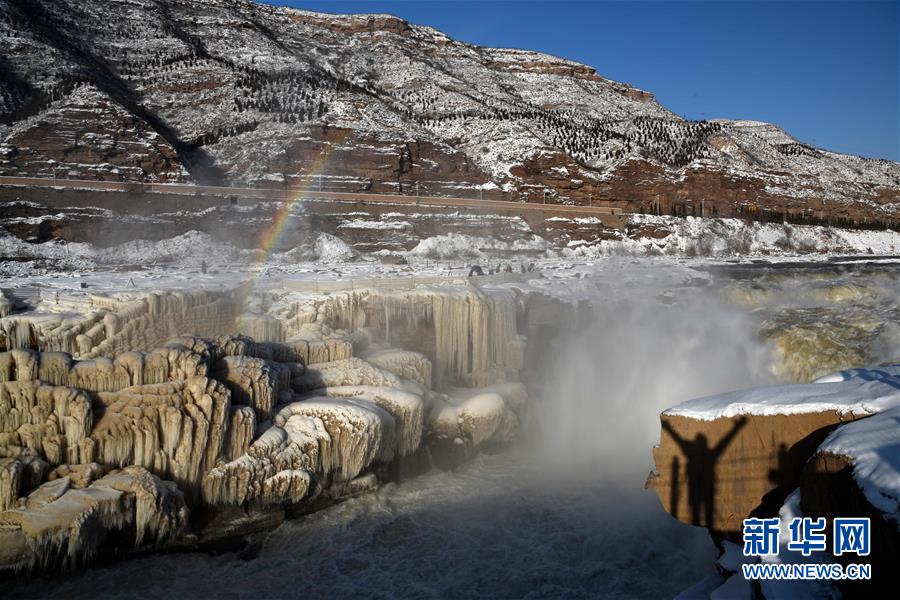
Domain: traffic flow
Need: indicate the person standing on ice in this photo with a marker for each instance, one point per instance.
(203, 266)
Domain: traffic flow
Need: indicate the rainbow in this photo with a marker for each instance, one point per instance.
(274, 233)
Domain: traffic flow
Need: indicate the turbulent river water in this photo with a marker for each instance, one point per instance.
(563, 514)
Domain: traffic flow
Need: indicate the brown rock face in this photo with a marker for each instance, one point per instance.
(355, 161)
(717, 473)
(90, 136)
(827, 489)
(354, 23)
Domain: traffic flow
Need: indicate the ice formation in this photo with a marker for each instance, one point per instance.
(407, 409)
(349, 371)
(6, 305)
(324, 436)
(472, 419)
(253, 382)
(360, 432)
(241, 431)
(469, 334)
(146, 405)
(114, 326)
(101, 374)
(405, 364)
(40, 426)
(59, 521)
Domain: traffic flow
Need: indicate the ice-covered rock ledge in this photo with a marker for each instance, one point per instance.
(204, 441)
(727, 457)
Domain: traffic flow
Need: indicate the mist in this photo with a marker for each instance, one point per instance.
(599, 410)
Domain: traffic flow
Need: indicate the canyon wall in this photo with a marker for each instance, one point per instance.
(210, 91)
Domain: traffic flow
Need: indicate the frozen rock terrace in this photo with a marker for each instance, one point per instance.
(165, 420)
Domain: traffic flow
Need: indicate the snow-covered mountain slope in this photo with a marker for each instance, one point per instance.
(231, 91)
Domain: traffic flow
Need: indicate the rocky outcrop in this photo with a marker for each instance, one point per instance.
(93, 137)
(716, 473)
(825, 449)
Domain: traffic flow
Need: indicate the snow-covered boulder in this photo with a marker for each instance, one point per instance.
(724, 457)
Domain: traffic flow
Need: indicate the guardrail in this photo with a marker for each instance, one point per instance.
(311, 194)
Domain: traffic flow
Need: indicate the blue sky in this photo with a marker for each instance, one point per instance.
(828, 72)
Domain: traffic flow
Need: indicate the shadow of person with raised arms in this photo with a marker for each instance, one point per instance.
(701, 469)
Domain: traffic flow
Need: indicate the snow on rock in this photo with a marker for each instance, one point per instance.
(881, 372)
(349, 371)
(873, 447)
(360, 431)
(721, 237)
(405, 364)
(471, 419)
(407, 409)
(867, 392)
(416, 106)
(324, 248)
(380, 225)
(189, 247)
(458, 246)
(791, 589)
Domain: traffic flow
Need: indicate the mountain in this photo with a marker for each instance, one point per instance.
(239, 93)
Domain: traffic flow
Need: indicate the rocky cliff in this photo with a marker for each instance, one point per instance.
(236, 92)
(832, 447)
